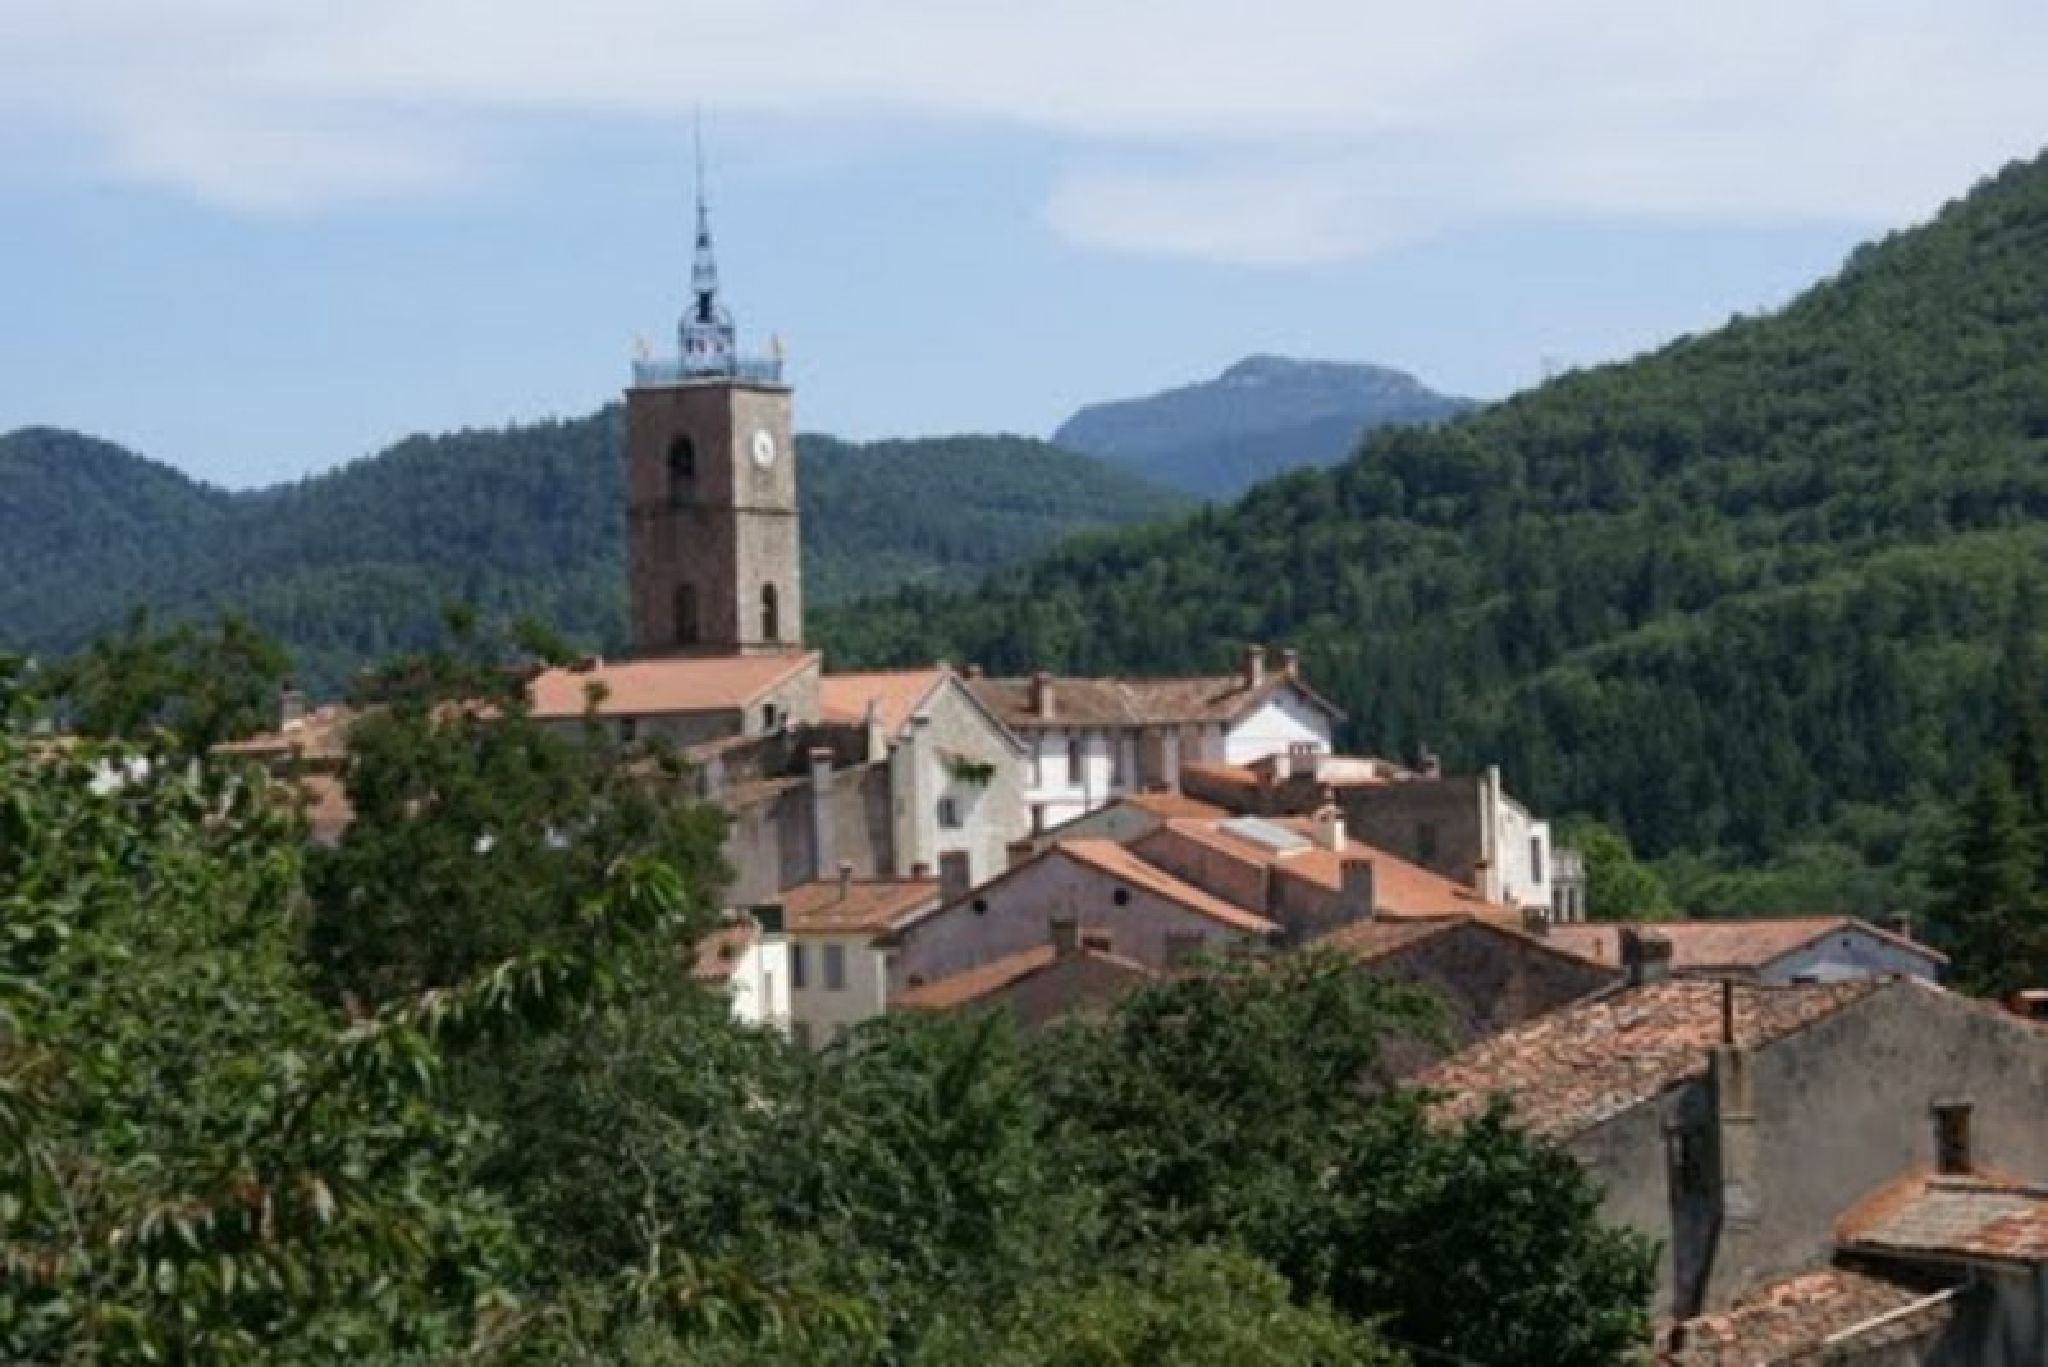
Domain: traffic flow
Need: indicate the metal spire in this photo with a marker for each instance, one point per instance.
(707, 330)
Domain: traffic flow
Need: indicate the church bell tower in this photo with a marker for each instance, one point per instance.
(711, 517)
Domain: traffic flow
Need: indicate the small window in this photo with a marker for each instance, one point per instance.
(835, 968)
(799, 968)
(1536, 859)
(682, 468)
(771, 614)
(981, 906)
(949, 813)
(1117, 777)
(1952, 1137)
(1425, 841)
(1122, 897)
(771, 716)
(1077, 760)
(685, 609)
(629, 730)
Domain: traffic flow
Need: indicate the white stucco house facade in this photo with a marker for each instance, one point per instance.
(1090, 741)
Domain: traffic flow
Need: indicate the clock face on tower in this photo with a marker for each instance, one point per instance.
(764, 447)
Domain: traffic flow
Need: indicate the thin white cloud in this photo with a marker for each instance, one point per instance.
(1287, 131)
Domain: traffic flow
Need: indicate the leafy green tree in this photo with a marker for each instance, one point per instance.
(1619, 887)
(478, 832)
(1989, 899)
(179, 688)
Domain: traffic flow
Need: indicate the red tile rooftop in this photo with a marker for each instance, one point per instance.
(1795, 1319)
(680, 684)
(1698, 946)
(1567, 1071)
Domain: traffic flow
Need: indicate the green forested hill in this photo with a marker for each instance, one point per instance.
(359, 562)
(1730, 593)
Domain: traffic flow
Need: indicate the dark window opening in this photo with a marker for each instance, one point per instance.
(686, 615)
(1122, 897)
(771, 614)
(682, 468)
(770, 716)
(981, 906)
(1952, 1137)
(949, 813)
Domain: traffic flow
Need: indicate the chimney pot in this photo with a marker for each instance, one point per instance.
(976, 672)
(1646, 956)
(1254, 666)
(1899, 923)
(1290, 663)
(1327, 825)
(1041, 694)
(845, 878)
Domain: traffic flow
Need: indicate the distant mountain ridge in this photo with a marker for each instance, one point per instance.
(360, 561)
(1261, 417)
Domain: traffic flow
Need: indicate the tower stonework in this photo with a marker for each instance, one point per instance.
(712, 527)
(711, 523)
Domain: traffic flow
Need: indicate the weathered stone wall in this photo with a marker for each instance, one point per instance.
(728, 531)
(1490, 981)
(1016, 913)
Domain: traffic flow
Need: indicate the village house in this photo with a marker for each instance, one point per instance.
(1463, 826)
(1094, 740)
(1741, 1125)
(1488, 976)
(1819, 949)
(838, 933)
(1138, 910)
(1076, 973)
(746, 958)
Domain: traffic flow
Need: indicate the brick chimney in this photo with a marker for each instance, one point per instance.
(1290, 664)
(1899, 923)
(845, 879)
(1254, 666)
(1645, 956)
(1041, 695)
(1357, 893)
(823, 846)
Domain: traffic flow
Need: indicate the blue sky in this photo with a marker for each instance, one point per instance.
(256, 239)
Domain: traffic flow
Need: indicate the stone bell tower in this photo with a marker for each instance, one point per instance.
(711, 515)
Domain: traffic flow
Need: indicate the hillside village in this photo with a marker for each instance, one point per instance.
(1840, 1159)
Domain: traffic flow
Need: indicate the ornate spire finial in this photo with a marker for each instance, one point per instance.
(707, 330)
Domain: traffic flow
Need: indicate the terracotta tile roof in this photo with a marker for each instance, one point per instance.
(718, 953)
(1174, 805)
(1795, 1319)
(1699, 946)
(1234, 776)
(646, 688)
(896, 696)
(859, 905)
(983, 980)
(1118, 861)
(1370, 941)
(1399, 887)
(1567, 1071)
(1138, 702)
(322, 734)
(1963, 1216)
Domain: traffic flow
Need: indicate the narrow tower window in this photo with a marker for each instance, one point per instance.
(682, 468)
(771, 614)
(686, 614)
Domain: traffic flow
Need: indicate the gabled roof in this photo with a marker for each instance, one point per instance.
(896, 695)
(1107, 856)
(1701, 946)
(1567, 1071)
(1972, 1216)
(1371, 941)
(667, 686)
(1141, 702)
(984, 980)
(321, 734)
(1399, 887)
(853, 906)
(1795, 1319)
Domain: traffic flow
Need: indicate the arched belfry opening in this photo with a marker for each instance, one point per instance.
(685, 607)
(771, 614)
(682, 468)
